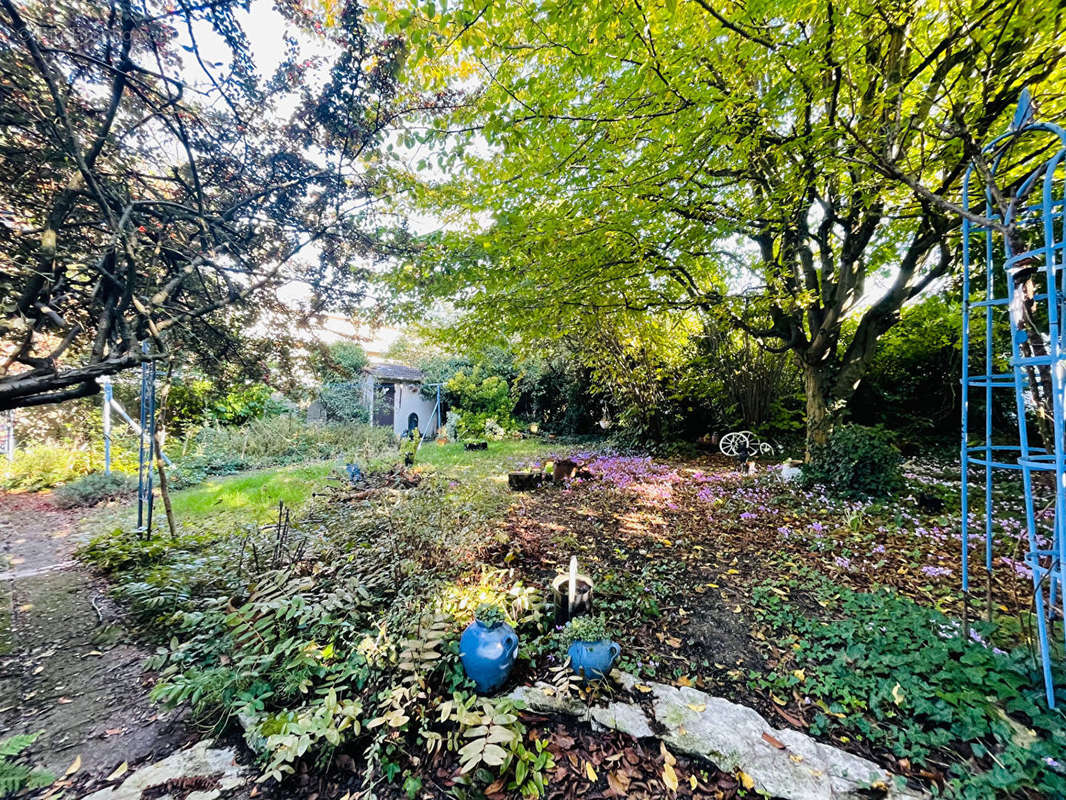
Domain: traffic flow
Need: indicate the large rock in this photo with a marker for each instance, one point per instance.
(781, 763)
(199, 761)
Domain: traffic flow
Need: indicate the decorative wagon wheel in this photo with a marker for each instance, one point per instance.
(733, 443)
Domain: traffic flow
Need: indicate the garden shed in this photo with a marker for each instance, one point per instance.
(393, 393)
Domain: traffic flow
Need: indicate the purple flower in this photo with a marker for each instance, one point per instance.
(843, 563)
(936, 572)
(748, 515)
(817, 526)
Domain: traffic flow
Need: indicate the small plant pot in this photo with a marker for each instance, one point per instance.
(593, 660)
(488, 653)
(582, 598)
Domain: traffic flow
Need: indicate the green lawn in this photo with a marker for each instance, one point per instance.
(228, 501)
(253, 497)
(494, 463)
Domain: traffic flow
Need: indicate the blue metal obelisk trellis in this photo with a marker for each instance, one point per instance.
(1022, 248)
(147, 448)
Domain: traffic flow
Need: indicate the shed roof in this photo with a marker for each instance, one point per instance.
(400, 373)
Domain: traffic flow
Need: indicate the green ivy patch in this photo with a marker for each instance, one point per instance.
(907, 679)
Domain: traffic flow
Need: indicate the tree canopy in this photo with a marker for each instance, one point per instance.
(154, 182)
(773, 166)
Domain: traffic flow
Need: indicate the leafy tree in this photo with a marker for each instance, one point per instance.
(773, 166)
(150, 191)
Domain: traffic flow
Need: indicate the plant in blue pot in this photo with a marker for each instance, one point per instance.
(591, 651)
(488, 648)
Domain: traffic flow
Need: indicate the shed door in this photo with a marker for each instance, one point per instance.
(384, 404)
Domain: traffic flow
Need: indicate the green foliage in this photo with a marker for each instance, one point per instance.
(340, 362)
(271, 441)
(15, 777)
(490, 615)
(339, 368)
(409, 446)
(795, 132)
(912, 383)
(856, 461)
(585, 629)
(904, 678)
(42, 466)
(242, 404)
(96, 487)
(343, 402)
(478, 398)
(343, 632)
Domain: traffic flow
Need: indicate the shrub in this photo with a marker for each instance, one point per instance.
(273, 441)
(43, 466)
(241, 404)
(96, 487)
(343, 402)
(856, 461)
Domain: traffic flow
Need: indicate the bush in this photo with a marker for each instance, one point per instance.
(274, 441)
(856, 461)
(96, 487)
(343, 402)
(43, 466)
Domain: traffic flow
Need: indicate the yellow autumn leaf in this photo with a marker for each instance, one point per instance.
(799, 675)
(746, 780)
(668, 757)
(75, 765)
(670, 777)
(640, 687)
(897, 694)
(698, 707)
(120, 770)
(590, 772)
(693, 782)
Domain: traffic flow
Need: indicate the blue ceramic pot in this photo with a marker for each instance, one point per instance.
(488, 653)
(593, 660)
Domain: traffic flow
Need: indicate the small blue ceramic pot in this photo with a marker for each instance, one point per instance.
(488, 653)
(593, 660)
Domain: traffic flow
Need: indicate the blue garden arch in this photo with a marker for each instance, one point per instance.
(1020, 248)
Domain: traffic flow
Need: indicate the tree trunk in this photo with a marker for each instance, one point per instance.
(820, 419)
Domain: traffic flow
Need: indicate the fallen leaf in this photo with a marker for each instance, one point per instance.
(64, 700)
(670, 777)
(590, 773)
(698, 707)
(75, 765)
(692, 782)
(668, 757)
(799, 675)
(640, 687)
(120, 770)
(773, 741)
(619, 783)
(746, 780)
(897, 694)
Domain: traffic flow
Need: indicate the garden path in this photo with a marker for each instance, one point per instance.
(68, 666)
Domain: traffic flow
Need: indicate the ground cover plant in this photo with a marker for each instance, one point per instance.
(333, 638)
